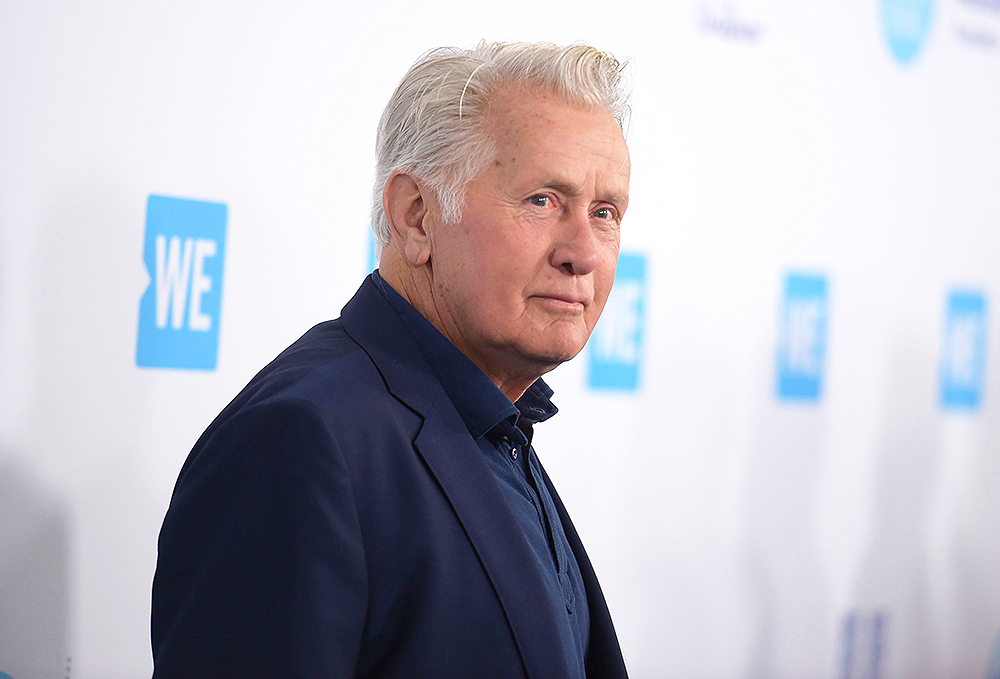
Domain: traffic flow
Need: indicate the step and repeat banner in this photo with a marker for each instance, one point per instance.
(782, 444)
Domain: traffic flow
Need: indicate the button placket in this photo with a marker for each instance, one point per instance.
(549, 518)
(514, 451)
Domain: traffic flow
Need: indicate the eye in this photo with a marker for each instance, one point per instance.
(540, 201)
(604, 213)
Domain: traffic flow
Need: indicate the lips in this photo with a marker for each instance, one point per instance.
(565, 302)
(567, 298)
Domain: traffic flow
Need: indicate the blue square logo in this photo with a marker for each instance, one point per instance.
(616, 345)
(802, 338)
(184, 251)
(963, 351)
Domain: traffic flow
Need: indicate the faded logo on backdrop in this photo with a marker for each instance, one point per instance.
(863, 645)
(802, 338)
(963, 351)
(906, 25)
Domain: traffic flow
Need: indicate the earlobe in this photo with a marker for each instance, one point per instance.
(406, 210)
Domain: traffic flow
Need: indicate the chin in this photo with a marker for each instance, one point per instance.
(558, 350)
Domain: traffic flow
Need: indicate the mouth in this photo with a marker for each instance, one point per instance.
(562, 303)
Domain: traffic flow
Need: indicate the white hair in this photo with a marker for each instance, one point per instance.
(433, 126)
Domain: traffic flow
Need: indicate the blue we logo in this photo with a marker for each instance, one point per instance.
(184, 252)
(616, 346)
(802, 338)
(963, 356)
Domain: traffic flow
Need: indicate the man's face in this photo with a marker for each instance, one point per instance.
(521, 279)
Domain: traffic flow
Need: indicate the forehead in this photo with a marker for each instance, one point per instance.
(536, 131)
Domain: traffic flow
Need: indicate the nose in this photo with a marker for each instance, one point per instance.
(575, 246)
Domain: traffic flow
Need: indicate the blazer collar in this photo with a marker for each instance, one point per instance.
(456, 462)
(371, 322)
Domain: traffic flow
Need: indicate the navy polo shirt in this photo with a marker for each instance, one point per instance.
(503, 431)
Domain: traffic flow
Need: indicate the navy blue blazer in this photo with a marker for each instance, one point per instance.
(338, 520)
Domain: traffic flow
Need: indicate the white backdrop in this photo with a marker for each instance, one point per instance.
(737, 532)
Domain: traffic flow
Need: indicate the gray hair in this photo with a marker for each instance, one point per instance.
(433, 127)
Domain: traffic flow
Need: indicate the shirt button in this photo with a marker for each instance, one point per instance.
(513, 453)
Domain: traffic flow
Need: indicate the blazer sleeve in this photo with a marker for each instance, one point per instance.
(261, 565)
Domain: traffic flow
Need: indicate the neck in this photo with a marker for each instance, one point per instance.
(416, 286)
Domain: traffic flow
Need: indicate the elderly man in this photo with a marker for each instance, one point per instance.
(370, 504)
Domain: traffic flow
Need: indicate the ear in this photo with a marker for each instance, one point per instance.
(405, 208)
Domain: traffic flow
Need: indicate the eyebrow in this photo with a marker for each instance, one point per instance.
(571, 190)
(561, 187)
(615, 199)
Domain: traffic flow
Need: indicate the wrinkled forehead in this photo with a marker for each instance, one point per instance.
(527, 119)
(510, 102)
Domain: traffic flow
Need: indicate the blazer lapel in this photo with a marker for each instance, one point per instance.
(456, 462)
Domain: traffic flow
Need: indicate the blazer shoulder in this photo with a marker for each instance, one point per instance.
(309, 367)
(327, 372)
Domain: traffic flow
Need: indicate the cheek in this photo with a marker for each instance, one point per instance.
(466, 268)
(502, 270)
